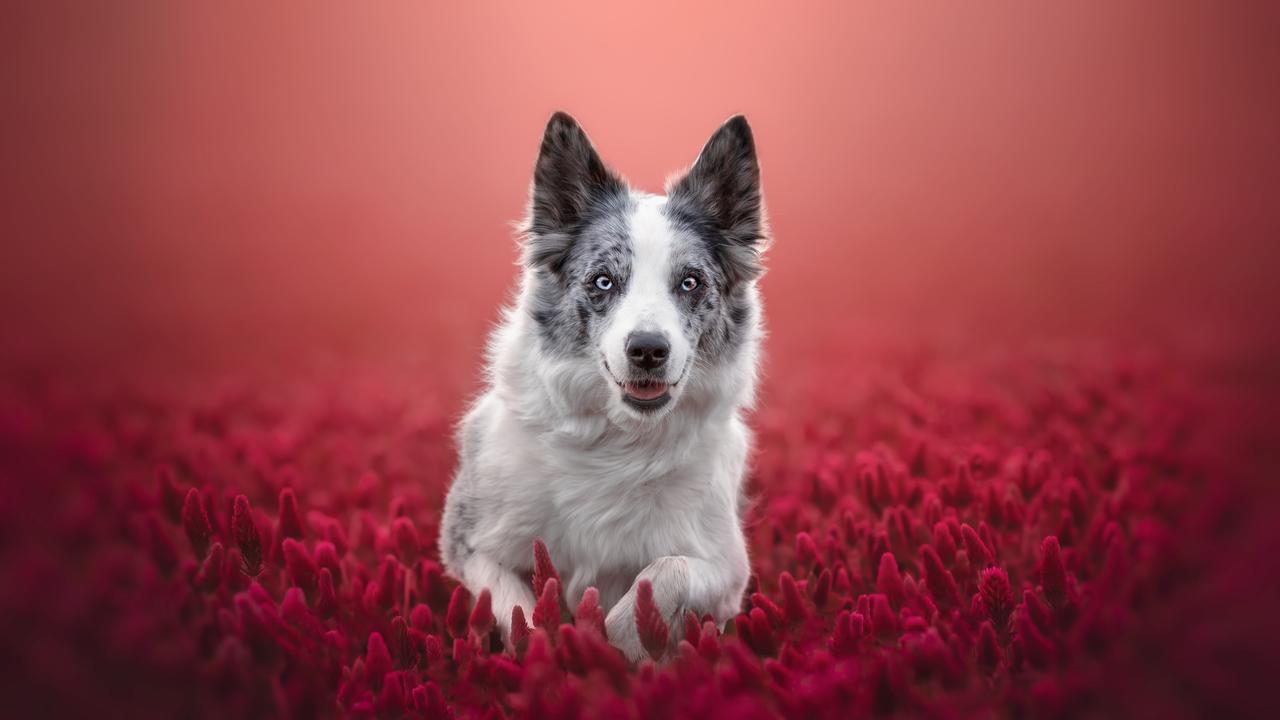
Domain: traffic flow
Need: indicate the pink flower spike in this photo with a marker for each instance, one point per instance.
(1035, 647)
(388, 582)
(233, 570)
(209, 576)
(692, 628)
(843, 641)
(1038, 610)
(391, 702)
(326, 597)
(822, 589)
(652, 627)
(771, 610)
(459, 610)
(889, 580)
(546, 613)
(429, 701)
(406, 539)
(995, 596)
(290, 520)
(884, 622)
(520, 629)
(589, 616)
(301, 566)
(420, 618)
(1053, 573)
(327, 557)
(795, 609)
(543, 569)
(944, 543)
(482, 619)
(762, 639)
(988, 650)
(941, 584)
(247, 537)
(979, 554)
(377, 658)
(806, 549)
(196, 523)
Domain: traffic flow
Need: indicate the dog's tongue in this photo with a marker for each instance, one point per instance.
(646, 391)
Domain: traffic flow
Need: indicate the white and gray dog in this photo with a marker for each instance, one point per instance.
(612, 424)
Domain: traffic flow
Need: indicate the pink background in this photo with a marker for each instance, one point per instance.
(195, 184)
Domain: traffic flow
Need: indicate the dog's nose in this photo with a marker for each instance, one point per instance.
(647, 350)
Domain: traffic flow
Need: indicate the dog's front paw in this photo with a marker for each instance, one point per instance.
(621, 628)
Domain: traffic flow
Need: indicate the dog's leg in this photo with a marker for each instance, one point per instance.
(506, 588)
(680, 583)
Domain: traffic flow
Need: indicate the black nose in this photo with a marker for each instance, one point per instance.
(647, 350)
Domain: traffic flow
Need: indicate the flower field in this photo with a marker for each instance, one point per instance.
(1030, 534)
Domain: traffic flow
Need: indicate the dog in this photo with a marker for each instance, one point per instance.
(612, 425)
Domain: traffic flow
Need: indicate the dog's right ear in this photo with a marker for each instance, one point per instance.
(569, 179)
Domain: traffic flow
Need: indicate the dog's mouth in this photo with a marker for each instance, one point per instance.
(645, 394)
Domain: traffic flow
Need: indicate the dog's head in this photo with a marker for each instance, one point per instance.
(652, 289)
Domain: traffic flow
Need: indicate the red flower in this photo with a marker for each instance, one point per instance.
(806, 550)
(482, 619)
(942, 586)
(822, 589)
(1032, 643)
(543, 569)
(1053, 573)
(196, 523)
(406, 539)
(889, 580)
(650, 624)
(988, 650)
(944, 543)
(979, 554)
(520, 629)
(301, 566)
(247, 537)
(458, 616)
(995, 596)
(290, 520)
(210, 575)
(546, 612)
(796, 609)
(589, 616)
(377, 659)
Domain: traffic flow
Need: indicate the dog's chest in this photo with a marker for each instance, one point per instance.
(622, 508)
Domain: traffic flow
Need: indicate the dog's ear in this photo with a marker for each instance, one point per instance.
(569, 179)
(722, 191)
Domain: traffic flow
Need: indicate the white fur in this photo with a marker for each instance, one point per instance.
(649, 304)
(550, 450)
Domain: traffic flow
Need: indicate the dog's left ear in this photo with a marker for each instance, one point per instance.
(723, 189)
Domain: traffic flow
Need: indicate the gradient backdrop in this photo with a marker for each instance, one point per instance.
(208, 191)
(204, 183)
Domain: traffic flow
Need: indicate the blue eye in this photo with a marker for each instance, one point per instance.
(689, 283)
(604, 282)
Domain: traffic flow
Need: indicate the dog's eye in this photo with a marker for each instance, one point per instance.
(604, 282)
(689, 283)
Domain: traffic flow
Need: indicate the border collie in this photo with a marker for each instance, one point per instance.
(612, 424)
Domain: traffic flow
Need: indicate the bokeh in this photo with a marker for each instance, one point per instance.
(215, 182)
